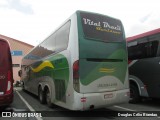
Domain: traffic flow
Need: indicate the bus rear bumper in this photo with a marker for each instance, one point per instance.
(100, 100)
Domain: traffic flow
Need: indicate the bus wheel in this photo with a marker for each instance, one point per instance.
(41, 95)
(48, 98)
(134, 94)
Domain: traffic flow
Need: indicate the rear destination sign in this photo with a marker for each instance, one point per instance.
(101, 27)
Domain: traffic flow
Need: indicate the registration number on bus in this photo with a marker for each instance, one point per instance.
(110, 95)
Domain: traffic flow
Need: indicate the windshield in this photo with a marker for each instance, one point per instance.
(101, 28)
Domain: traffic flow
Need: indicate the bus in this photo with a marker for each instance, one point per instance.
(6, 74)
(144, 61)
(82, 65)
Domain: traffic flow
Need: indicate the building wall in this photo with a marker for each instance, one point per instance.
(18, 50)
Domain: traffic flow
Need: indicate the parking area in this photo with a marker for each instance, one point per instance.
(27, 102)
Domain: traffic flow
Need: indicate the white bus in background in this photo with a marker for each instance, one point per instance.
(82, 65)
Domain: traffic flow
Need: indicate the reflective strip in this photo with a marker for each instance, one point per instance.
(132, 62)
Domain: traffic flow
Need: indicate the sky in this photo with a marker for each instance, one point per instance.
(31, 21)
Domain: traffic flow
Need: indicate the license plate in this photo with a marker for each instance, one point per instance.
(110, 95)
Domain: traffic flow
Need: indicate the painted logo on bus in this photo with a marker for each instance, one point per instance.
(42, 65)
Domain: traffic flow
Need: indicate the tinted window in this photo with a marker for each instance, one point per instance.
(143, 50)
(154, 48)
(62, 37)
(101, 27)
(50, 43)
(56, 42)
(59, 40)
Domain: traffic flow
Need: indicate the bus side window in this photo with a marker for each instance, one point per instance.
(143, 50)
(62, 37)
(138, 51)
(154, 48)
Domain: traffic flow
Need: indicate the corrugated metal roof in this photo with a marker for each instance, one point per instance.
(18, 45)
(9, 38)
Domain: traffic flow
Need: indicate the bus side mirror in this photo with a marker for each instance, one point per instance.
(20, 73)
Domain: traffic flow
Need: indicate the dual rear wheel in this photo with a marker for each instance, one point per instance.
(44, 96)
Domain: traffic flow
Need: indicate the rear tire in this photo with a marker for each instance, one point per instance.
(134, 94)
(48, 98)
(41, 95)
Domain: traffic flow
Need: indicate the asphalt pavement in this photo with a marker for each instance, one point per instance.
(26, 104)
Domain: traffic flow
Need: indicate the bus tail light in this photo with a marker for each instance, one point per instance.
(76, 75)
(9, 82)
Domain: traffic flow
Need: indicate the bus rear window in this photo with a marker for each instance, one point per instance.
(101, 28)
(4, 54)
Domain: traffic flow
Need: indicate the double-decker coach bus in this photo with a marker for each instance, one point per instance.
(144, 65)
(82, 65)
(6, 74)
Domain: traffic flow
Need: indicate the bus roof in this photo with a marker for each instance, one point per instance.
(143, 35)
